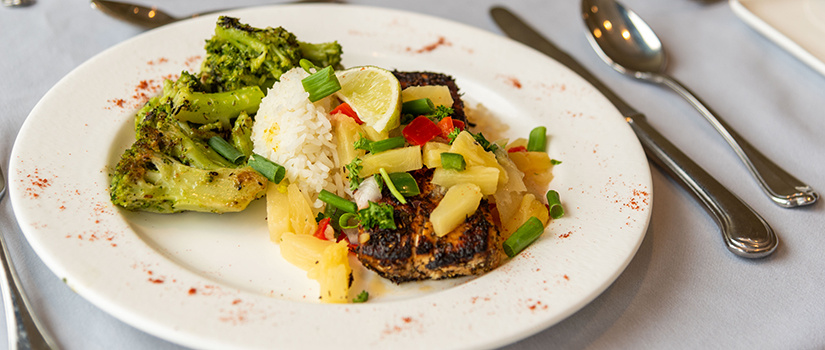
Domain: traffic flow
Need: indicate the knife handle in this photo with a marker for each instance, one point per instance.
(744, 231)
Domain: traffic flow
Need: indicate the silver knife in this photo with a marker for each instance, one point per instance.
(744, 231)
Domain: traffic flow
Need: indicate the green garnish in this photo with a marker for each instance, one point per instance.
(453, 134)
(421, 106)
(441, 112)
(354, 170)
(225, 149)
(362, 297)
(538, 140)
(338, 202)
(321, 84)
(487, 145)
(362, 143)
(391, 186)
(555, 161)
(380, 215)
(553, 201)
(452, 161)
(272, 171)
(523, 237)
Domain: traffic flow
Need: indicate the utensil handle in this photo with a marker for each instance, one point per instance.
(24, 330)
(744, 231)
(783, 188)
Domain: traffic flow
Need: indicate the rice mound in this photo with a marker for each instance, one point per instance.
(297, 134)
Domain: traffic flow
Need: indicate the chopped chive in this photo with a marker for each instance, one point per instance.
(336, 201)
(452, 161)
(405, 184)
(421, 106)
(321, 84)
(225, 149)
(553, 201)
(307, 65)
(555, 161)
(362, 143)
(538, 140)
(335, 216)
(272, 171)
(386, 144)
(523, 237)
(391, 187)
(345, 218)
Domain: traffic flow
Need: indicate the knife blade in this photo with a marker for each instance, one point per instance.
(744, 231)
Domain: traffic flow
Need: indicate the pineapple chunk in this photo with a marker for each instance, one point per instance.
(333, 273)
(486, 178)
(537, 169)
(393, 161)
(530, 206)
(277, 211)
(300, 212)
(432, 153)
(474, 154)
(303, 251)
(459, 202)
(346, 132)
(439, 94)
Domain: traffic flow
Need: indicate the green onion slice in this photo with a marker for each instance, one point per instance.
(344, 220)
(225, 149)
(553, 201)
(321, 84)
(523, 237)
(337, 201)
(307, 65)
(391, 187)
(538, 140)
(421, 106)
(272, 171)
(405, 184)
(453, 161)
(386, 144)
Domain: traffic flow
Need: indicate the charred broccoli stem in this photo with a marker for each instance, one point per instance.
(239, 55)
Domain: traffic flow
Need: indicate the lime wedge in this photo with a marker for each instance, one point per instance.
(375, 95)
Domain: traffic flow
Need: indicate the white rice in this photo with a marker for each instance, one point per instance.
(296, 133)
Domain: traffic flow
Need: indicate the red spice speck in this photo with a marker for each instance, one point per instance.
(431, 47)
(407, 319)
(236, 301)
(156, 280)
(193, 291)
(566, 277)
(565, 235)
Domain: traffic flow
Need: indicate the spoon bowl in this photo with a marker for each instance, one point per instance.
(625, 42)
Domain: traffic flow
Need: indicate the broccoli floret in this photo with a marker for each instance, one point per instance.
(148, 180)
(239, 55)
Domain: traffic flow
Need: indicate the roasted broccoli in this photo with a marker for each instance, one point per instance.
(149, 180)
(170, 169)
(239, 55)
(187, 100)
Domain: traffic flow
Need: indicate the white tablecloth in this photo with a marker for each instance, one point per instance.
(682, 290)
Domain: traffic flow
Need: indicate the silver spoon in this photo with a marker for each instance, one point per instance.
(24, 330)
(151, 17)
(629, 45)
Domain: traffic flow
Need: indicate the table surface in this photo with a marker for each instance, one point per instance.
(683, 289)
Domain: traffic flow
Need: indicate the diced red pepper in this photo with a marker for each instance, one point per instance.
(420, 131)
(446, 125)
(348, 111)
(322, 229)
(517, 149)
(458, 124)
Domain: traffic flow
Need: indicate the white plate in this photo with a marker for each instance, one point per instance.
(215, 281)
(798, 26)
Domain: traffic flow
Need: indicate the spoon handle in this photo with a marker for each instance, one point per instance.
(783, 188)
